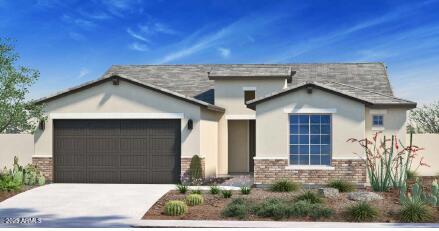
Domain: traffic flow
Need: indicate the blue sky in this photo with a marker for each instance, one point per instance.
(71, 42)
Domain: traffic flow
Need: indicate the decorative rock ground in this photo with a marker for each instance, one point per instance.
(364, 196)
(329, 192)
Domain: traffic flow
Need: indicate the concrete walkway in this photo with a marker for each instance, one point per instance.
(271, 224)
(83, 205)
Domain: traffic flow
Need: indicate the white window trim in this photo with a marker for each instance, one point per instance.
(377, 127)
(116, 115)
(240, 117)
(310, 167)
(249, 88)
(41, 156)
(294, 110)
(269, 158)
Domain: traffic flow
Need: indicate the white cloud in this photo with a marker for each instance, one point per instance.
(224, 52)
(76, 36)
(82, 73)
(138, 47)
(82, 23)
(165, 29)
(136, 35)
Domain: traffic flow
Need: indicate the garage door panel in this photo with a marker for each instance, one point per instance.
(117, 151)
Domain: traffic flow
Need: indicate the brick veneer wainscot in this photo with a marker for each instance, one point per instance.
(45, 165)
(269, 170)
(186, 163)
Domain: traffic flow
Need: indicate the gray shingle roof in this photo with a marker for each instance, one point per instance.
(192, 80)
(366, 81)
(364, 96)
(249, 72)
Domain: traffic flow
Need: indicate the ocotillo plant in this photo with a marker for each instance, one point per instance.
(388, 160)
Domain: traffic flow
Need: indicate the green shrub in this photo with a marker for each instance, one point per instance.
(236, 208)
(245, 190)
(411, 174)
(312, 197)
(196, 191)
(8, 184)
(195, 168)
(181, 188)
(272, 207)
(342, 185)
(214, 189)
(284, 186)
(361, 212)
(279, 209)
(226, 193)
(175, 208)
(415, 211)
(194, 199)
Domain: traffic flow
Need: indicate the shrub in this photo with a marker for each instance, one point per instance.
(226, 193)
(342, 185)
(194, 199)
(284, 186)
(361, 212)
(278, 209)
(214, 189)
(415, 211)
(312, 197)
(245, 190)
(411, 174)
(195, 169)
(196, 191)
(175, 208)
(236, 208)
(182, 188)
(7, 183)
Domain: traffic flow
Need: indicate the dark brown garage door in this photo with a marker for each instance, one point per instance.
(117, 151)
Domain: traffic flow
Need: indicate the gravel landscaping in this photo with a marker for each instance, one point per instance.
(213, 206)
(5, 194)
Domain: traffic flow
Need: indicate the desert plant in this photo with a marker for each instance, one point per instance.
(194, 199)
(320, 212)
(411, 174)
(278, 209)
(196, 191)
(214, 189)
(175, 208)
(236, 208)
(8, 184)
(245, 190)
(388, 160)
(226, 193)
(181, 188)
(361, 212)
(284, 186)
(271, 207)
(342, 185)
(417, 194)
(414, 211)
(195, 169)
(311, 197)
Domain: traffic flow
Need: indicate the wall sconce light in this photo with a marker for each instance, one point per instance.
(190, 124)
(42, 125)
(309, 90)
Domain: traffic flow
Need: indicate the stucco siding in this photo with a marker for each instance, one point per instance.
(272, 130)
(229, 94)
(209, 140)
(394, 122)
(20, 145)
(123, 98)
(430, 143)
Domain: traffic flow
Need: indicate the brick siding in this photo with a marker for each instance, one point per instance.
(45, 165)
(269, 170)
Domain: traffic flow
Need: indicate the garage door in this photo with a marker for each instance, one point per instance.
(117, 151)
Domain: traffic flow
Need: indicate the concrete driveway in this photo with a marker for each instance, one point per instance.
(82, 205)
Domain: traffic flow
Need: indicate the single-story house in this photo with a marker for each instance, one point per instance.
(144, 123)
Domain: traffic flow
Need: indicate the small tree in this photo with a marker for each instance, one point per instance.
(18, 114)
(425, 119)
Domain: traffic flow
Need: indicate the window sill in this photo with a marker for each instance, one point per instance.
(309, 167)
(377, 128)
